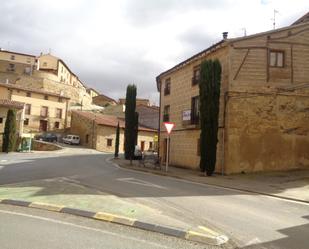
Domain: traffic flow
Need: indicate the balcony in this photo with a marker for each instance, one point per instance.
(166, 118)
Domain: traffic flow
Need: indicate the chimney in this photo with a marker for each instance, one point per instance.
(225, 35)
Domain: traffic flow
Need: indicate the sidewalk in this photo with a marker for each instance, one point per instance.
(70, 196)
(292, 185)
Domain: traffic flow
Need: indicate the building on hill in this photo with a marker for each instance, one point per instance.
(148, 115)
(92, 92)
(139, 101)
(98, 131)
(264, 117)
(103, 100)
(46, 73)
(43, 110)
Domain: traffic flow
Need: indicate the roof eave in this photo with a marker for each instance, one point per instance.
(210, 49)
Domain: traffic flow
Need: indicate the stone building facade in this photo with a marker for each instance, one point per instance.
(264, 115)
(43, 110)
(44, 72)
(98, 131)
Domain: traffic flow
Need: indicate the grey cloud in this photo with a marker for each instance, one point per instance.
(195, 40)
(142, 13)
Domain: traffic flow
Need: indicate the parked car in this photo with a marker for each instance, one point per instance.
(71, 139)
(47, 137)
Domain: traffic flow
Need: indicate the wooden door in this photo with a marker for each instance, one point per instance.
(43, 125)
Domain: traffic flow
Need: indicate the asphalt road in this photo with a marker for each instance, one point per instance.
(252, 221)
(25, 228)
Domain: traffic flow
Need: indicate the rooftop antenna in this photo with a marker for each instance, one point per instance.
(274, 19)
(245, 31)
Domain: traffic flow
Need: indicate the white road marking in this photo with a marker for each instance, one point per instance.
(83, 227)
(140, 182)
(206, 184)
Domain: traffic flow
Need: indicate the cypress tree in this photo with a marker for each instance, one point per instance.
(117, 141)
(129, 132)
(209, 87)
(9, 136)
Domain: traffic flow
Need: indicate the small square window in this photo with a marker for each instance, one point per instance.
(11, 67)
(166, 113)
(26, 121)
(109, 142)
(44, 111)
(44, 64)
(1, 120)
(58, 113)
(45, 97)
(276, 58)
(57, 125)
(28, 94)
(60, 100)
(167, 87)
(28, 109)
(12, 57)
(196, 75)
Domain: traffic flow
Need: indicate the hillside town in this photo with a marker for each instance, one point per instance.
(220, 161)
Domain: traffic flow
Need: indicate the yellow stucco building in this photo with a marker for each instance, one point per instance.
(43, 110)
(264, 117)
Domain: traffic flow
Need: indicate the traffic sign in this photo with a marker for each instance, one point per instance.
(169, 126)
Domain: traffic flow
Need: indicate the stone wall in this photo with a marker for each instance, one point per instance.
(45, 146)
(267, 132)
(84, 128)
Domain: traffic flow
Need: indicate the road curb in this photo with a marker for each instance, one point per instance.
(211, 184)
(191, 235)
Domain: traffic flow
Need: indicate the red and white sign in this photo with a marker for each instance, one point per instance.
(169, 126)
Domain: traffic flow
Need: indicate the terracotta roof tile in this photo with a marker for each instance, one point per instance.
(108, 120)
(13, 86)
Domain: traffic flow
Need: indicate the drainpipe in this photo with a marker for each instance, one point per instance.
(226, 98)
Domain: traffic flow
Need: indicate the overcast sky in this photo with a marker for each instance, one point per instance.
(110, 44)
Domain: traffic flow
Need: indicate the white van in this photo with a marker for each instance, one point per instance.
(71, 139)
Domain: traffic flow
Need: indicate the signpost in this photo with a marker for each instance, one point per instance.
(168, 126)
